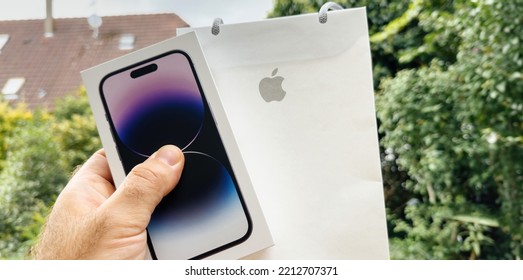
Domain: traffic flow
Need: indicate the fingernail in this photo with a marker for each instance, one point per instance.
(168, 154)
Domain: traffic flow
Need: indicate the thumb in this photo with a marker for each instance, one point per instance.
(145, 186)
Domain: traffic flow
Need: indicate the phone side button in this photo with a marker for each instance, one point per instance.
(114, 139)
(118, 153)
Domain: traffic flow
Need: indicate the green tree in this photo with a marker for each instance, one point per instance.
(41, 150)
(30, 181)
(449, 110)
(457, 130)
(10, 118)
(75, 129)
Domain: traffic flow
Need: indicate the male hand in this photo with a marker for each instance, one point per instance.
(92, 220)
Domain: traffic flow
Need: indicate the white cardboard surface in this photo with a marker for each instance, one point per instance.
(260, 237)
(313, 157)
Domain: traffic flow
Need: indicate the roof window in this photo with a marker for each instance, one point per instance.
(3, 40)
(126, 42)
(12, 88)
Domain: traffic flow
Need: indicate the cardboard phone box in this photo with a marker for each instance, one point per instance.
(257, 236)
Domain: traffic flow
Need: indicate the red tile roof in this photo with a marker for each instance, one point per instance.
(53, 64)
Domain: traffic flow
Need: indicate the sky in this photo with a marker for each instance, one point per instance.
(194, 12)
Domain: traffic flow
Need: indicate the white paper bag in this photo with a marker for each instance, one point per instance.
(311, 149)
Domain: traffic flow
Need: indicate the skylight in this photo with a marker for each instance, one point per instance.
(126, 42)
(3, 40)
(12, 88)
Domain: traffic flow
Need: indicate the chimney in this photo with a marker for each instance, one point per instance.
(49, 21)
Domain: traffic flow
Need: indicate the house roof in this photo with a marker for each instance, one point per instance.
(51, 66)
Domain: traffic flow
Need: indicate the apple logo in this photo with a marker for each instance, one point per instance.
(271, 89)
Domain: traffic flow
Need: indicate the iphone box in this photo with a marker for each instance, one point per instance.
(165, 94)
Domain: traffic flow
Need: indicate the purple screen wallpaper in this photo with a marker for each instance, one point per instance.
(205, 212)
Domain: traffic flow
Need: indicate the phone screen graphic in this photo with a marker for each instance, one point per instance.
(158, 102)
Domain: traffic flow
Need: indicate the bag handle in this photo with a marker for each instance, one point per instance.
(322, 16)
(215, 30)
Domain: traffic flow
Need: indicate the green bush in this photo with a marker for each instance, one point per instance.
(41, 150)
(457, 130)
(75, 129)
(10, 118)
(449, 103)
(30, 180)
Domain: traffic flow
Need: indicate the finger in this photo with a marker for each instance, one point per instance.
(89, 187)
(96, 164)
(94, 173)
(145, 186)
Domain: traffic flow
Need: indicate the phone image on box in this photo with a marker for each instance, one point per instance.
(160, 101)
